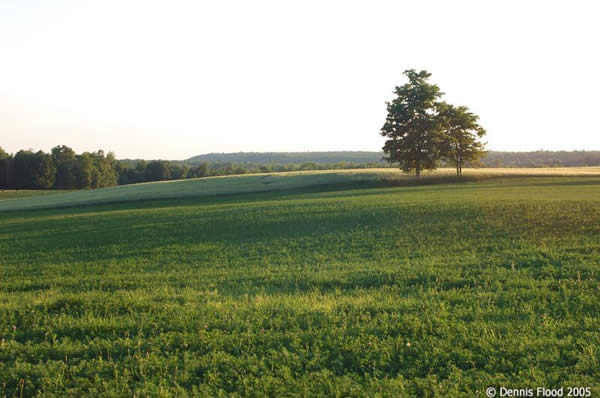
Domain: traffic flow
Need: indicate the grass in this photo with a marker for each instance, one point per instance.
(6, 194)
(429, 290)
(215, 186)
(178, 189)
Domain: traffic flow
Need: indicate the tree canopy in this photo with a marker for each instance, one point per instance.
(461, 136)
(60, 169)
(422, 130)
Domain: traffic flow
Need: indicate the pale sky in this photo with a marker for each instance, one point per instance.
(174, 79)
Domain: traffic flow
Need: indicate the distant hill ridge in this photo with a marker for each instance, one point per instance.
(493, 158)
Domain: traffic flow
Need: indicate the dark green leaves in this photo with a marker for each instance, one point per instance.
(422, 130)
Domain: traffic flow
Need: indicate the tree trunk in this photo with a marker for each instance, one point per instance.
(457, 167)
(418, 168)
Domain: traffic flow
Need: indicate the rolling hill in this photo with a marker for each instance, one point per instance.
(240, 184)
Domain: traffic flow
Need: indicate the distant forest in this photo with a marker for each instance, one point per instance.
(62, 168)
(358, 157)
(374, 159)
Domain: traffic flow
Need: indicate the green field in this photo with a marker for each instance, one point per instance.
(16, 194)
(313, 285)
(268, 182)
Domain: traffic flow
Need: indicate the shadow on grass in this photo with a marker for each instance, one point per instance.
(243, 232)
(372, 181)
(241, 197)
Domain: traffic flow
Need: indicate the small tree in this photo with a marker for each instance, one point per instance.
(178, 172)
(412, 125)
(198, 171)
(462, 134)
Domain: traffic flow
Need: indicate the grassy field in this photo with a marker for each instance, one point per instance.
(218, 186)
(16, 194)
(322, 290)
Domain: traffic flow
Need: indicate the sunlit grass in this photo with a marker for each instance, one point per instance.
(427, 290)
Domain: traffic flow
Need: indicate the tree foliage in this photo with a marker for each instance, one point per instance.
(412, 125)
(422, 130)
(65, 162)
(157, 170)
(62, 168)
(43, 171)
(6, 166)
(462, 134)
(33, 170)
(103, 170)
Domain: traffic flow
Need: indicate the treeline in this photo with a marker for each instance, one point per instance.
(224, 167)
(136, 171)
(62, 168)
(299, 160)
(541, 159)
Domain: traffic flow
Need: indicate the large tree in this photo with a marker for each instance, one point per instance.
(84, 168)
(33, 170)
(462, 134)
(103, 173)
(22, 166)
(65, 163)
(412, 126)
(43, 171)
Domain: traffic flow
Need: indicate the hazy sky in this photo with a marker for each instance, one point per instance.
(173, 79)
